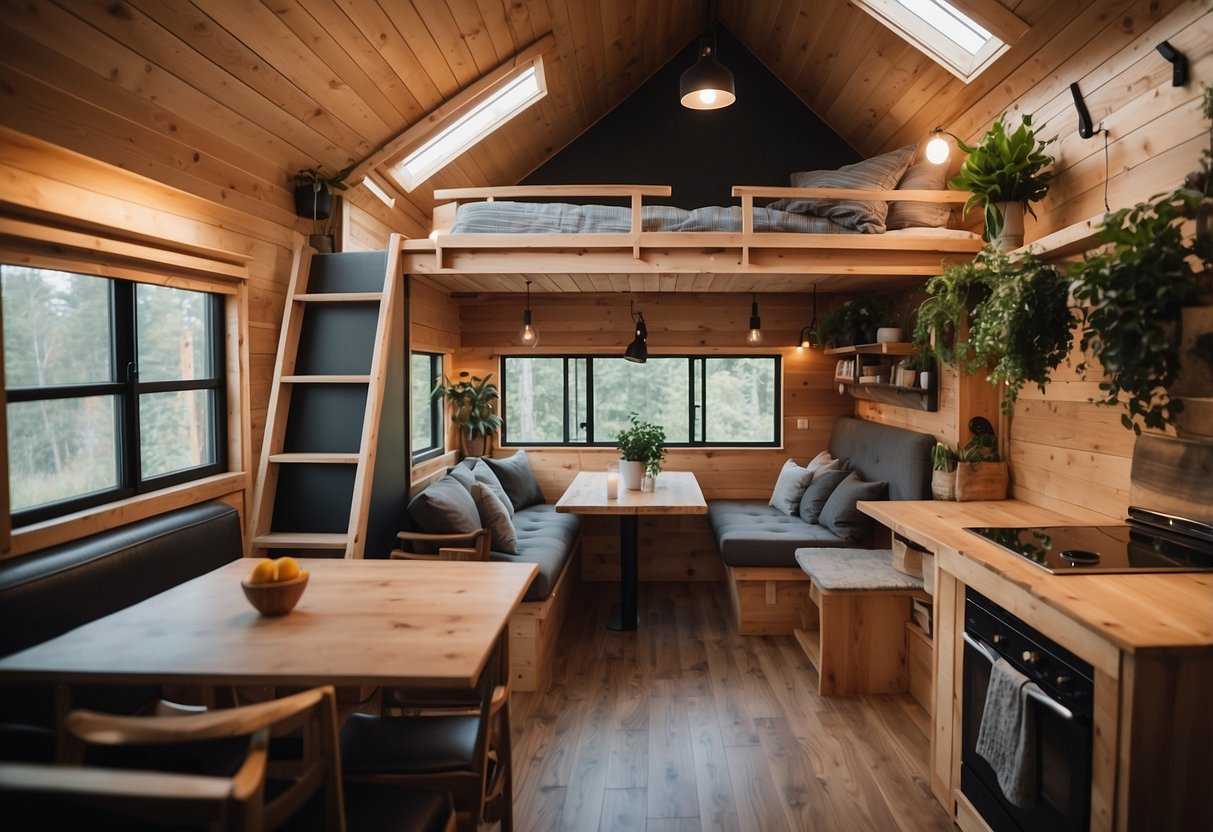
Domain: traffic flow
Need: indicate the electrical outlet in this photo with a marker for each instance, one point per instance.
(802, 424)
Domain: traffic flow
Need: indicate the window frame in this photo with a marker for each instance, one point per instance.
(127, 390)
(437, 408)
(696, 400)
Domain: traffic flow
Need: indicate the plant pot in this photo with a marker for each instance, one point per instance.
(313, 204)
(981, 481)
(1011, 236)
(322, 243)
(943, 485)
(476, 445)
(631, 474)
(888, 335)
(924, 379)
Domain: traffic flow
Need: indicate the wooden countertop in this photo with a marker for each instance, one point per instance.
(1134, 612)
(675, 492)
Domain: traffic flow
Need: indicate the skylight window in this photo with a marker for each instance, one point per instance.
(963, 36)
(504, 101)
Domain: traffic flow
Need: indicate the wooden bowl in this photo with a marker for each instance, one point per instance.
(277, 598)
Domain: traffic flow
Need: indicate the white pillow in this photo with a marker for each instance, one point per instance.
(495, 518)
(818, 462)
(789, 488)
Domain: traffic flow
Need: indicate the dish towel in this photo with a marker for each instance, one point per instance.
(1007, 737)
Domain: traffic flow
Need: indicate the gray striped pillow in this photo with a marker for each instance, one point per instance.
(924, 176)
(878, 173)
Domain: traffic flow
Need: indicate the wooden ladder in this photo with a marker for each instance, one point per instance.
(351, 542)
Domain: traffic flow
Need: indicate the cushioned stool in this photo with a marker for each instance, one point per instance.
(854, 622)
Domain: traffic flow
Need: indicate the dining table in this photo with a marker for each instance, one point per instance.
(359, 623)
(674, 492)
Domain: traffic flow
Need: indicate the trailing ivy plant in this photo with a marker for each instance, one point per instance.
(1133, 288)
(943, 316)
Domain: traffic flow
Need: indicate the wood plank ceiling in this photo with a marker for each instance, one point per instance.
(228, 98)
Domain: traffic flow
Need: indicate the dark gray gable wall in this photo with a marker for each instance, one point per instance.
(652, 139)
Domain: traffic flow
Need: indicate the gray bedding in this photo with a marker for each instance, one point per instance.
(555, 217)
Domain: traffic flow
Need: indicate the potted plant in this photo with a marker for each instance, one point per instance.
(473, 399)
(943, 472)
(641, 449)
(920, 364)
(1005, 173)
(854, 322)
(314, 200)
(1133, 290)
(981, 474)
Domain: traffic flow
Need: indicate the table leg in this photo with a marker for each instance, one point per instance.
(624, 616)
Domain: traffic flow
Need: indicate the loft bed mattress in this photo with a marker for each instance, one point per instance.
(505, 217)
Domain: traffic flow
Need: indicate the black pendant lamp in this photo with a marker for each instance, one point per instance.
(708, 84)
(528, 336)
(808, 334)
(638, 350)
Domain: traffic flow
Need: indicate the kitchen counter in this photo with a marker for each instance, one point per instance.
(1149, 637)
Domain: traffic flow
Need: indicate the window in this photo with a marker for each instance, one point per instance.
(482, 115)
(425, 411)
(963, 36)
(699, 400)
(114, 389)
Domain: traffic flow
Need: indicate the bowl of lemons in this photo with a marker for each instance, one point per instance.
(275, 586)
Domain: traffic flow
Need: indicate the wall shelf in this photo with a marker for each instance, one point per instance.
(915, 398)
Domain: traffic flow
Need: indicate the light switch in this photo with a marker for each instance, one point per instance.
(802, 424)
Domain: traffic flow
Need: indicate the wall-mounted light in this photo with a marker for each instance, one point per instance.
(708, 84)
(938, 149)
(808, 334)
(1085, 129)
(638, 350)
(528, 336)
(754, 336)
(1179, 63)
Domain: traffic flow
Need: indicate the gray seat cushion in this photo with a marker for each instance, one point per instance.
(753, 533)
(544, 538)
(855, 570)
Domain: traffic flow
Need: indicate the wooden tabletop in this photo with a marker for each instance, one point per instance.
(1133, 611)
(360, 622)
(676, 492)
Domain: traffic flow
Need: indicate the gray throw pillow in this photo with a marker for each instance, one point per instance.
(444, 507)
(840, 515)
(789, 488)
(495, 518)
(924, 176)
(817, 493)
(879, 173)
(516, 477)
(483, 474)
(463, 475)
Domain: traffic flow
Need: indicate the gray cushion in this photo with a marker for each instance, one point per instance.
(444, 507)
(924, 176)
(495, 518)
(753, 533)
(817, 493)
(516, 477)
(463, 475)
(545, 538)
(789, 487)
(881, 172)
(840, 514)
(881, 452)
(839, 570)
(482, 473)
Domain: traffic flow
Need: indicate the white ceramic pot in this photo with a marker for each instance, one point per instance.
(924, 379)
(888, 335)
(1012, 225)
(631, 474)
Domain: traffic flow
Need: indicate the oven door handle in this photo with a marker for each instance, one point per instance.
(987, 652)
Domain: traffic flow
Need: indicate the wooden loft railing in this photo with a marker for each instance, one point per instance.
(639, 251)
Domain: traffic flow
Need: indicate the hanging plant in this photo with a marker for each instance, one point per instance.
(1133, 289)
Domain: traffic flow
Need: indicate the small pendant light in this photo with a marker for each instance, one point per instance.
(938, 149)
(708, 84)
(754, 336)
(808, 334)
(638, 350)
(528, 336)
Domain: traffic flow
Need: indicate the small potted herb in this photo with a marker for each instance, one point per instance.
(472, 398)
(943, 473)
(641, 450)
(314, 200)
(1005, 173)
(981, 474)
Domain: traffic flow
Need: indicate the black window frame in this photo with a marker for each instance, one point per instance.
(437, 446)
(696, 401)
(126, 388)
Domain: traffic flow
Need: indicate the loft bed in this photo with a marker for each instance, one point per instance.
(743, 247)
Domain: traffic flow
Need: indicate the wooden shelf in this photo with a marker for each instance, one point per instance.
(912, 397)
(897, 348)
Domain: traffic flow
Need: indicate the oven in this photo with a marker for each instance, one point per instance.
(1061, 704)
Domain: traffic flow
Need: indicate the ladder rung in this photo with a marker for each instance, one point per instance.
(315, 457)
(340, 297)
(301, 540)
(326, 379)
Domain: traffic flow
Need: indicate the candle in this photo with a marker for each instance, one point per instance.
(612, 485)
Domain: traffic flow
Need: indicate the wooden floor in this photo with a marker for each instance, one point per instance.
(683, 725)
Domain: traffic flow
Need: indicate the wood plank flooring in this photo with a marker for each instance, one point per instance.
(684, 725)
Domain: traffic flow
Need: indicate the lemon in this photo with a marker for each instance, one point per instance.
(303, 573)
(263, 572)
(287, 568)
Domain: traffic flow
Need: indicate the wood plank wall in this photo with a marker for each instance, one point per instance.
(672, 548)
